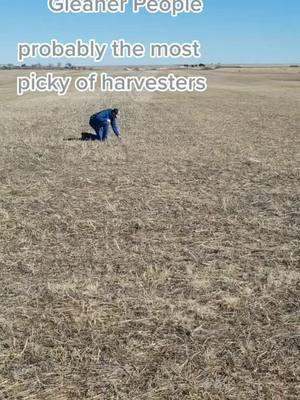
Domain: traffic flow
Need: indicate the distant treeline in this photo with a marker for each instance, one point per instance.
(40, 66)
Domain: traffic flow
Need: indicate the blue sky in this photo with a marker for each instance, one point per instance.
(230, 31)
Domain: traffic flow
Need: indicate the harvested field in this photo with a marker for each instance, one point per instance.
(169, 271)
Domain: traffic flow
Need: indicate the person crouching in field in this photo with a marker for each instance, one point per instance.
(100, 123)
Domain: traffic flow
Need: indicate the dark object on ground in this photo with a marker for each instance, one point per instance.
(88, 136)
(84, 136)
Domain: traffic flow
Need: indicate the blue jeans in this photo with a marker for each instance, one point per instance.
(100, 128)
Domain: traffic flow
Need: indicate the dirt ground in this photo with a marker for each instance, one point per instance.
(167, 269)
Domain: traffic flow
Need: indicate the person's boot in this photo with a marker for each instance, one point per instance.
(85, 136)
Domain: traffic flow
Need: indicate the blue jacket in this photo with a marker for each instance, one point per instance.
(106, 116)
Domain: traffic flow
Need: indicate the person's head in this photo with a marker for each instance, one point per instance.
(115, 112)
